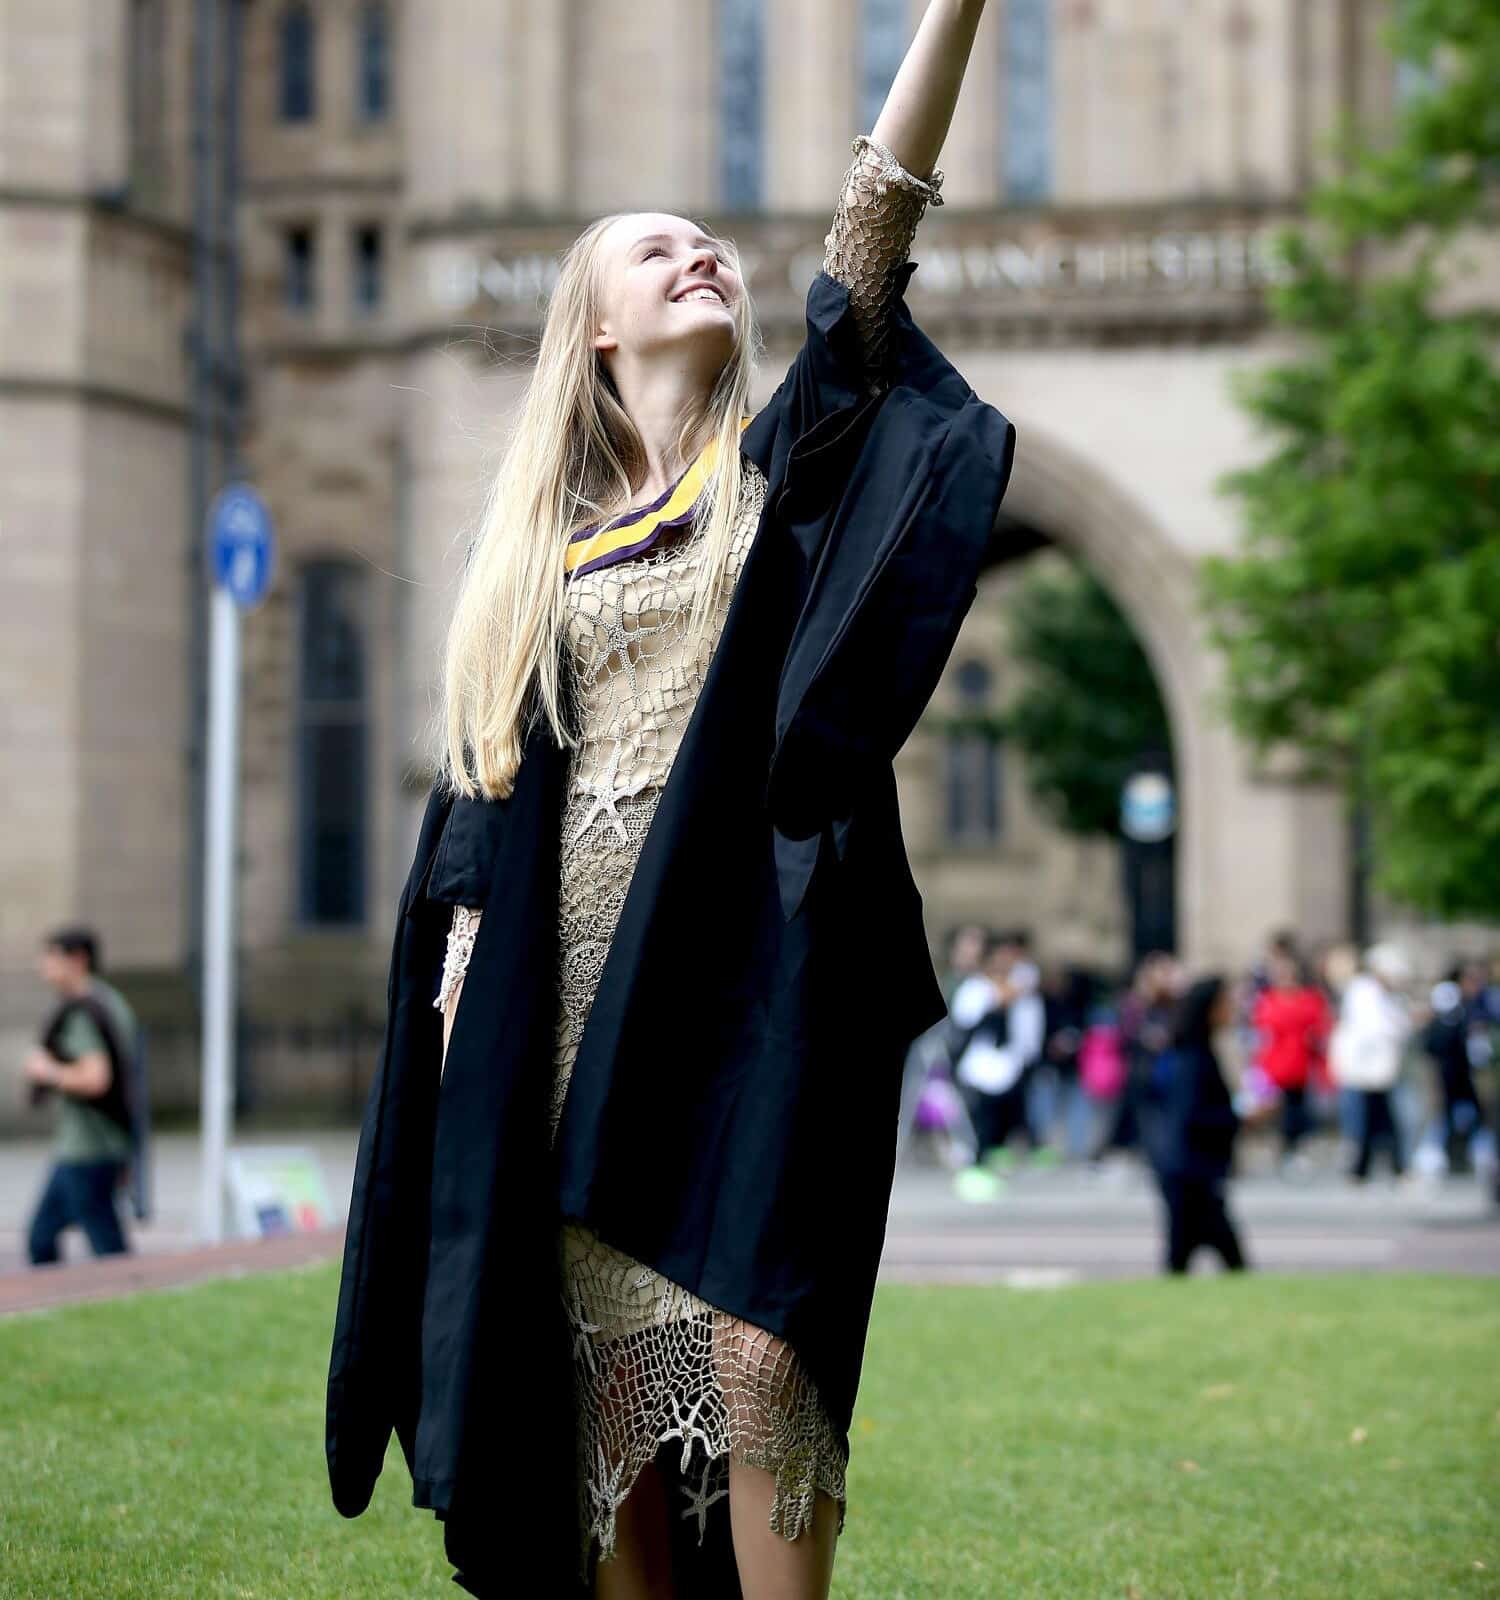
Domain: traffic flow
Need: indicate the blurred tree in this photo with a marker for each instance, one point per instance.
(1087, 710)
(1360, 623)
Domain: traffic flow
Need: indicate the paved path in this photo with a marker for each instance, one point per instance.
(1046, 1228)
(1061, 1226)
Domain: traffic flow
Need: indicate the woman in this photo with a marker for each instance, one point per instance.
(596, 1277)
(1005, 1021)
(1336, 968)
(1456, 1038)
(1195, 1138)
(1366, 1049)
(1145, 1031)
(1066, 997)
(966, 947)
(1292, 1019)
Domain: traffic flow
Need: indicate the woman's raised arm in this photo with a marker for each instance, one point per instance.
(882, 199)
(919, 107)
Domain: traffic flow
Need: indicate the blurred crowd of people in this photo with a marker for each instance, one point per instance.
(1339, 1049)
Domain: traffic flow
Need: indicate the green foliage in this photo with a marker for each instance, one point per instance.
(1436, 170)
(1088, 708)
(1435, 737)
(1360, 622)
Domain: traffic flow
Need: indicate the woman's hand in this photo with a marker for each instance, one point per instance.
(918, 109)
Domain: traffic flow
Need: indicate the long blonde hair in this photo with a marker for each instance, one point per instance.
(574, 457)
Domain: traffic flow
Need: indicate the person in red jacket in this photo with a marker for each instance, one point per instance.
(1293, 1021)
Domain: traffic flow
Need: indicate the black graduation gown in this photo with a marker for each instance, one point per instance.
(731, 1119)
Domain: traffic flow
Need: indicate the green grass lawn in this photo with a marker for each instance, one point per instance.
(1282, 1437)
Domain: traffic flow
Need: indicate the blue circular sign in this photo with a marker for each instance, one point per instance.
(243, 544)
(1148, 808)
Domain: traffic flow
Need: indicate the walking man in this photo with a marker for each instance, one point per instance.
(84, 1058)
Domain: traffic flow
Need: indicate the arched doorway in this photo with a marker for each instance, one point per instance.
(1253, 851)
(1058, 501)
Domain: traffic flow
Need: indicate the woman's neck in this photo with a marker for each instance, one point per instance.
(657, 396)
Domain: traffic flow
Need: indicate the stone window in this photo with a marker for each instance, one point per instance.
(972, 761)
(742, 102)
(374, 66)
(1027, 75)
(300, 267)
(332, 741)
(368, 263)
(297, 66)
(882, 44)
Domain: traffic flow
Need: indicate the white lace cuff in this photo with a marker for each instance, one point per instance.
(456, 957)
(887, 170)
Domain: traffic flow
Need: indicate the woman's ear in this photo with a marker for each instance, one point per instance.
(605, 340)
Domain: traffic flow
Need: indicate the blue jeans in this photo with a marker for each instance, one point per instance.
(81, 1192)
(1043, 1093)
(1352, 1114)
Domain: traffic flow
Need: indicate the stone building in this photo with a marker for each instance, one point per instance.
(407, 175)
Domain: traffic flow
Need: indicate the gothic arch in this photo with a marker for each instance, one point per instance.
(1064, 495)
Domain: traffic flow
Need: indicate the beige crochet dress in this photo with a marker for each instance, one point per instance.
(654, 1363)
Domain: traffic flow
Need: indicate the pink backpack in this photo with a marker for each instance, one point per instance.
(1101, 1061)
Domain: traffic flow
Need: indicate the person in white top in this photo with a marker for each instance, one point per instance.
(1366, 1048)
(1000, 1010)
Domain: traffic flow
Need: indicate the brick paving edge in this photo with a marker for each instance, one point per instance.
(112, 1277)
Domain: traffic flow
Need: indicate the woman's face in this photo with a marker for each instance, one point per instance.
(665, 288)
(1284, 972)
(968, 950)
(1222, 1014)
(1159, 979)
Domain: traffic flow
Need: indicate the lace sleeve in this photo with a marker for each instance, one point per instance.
(461, 932)
(879, 207)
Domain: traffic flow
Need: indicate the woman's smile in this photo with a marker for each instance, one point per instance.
(708, 292)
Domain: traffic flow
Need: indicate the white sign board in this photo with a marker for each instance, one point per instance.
(275, 1190)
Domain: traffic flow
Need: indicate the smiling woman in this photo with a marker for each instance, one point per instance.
(656, 616)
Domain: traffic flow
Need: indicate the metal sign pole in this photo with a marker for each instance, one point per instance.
(219, 904)
(243, 546)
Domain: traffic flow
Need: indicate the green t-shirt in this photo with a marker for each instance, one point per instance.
(84, 1133)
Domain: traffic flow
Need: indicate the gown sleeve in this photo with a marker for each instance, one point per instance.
(874, 222)
(459, 876)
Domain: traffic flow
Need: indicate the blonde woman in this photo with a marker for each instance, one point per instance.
(626, 1163)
